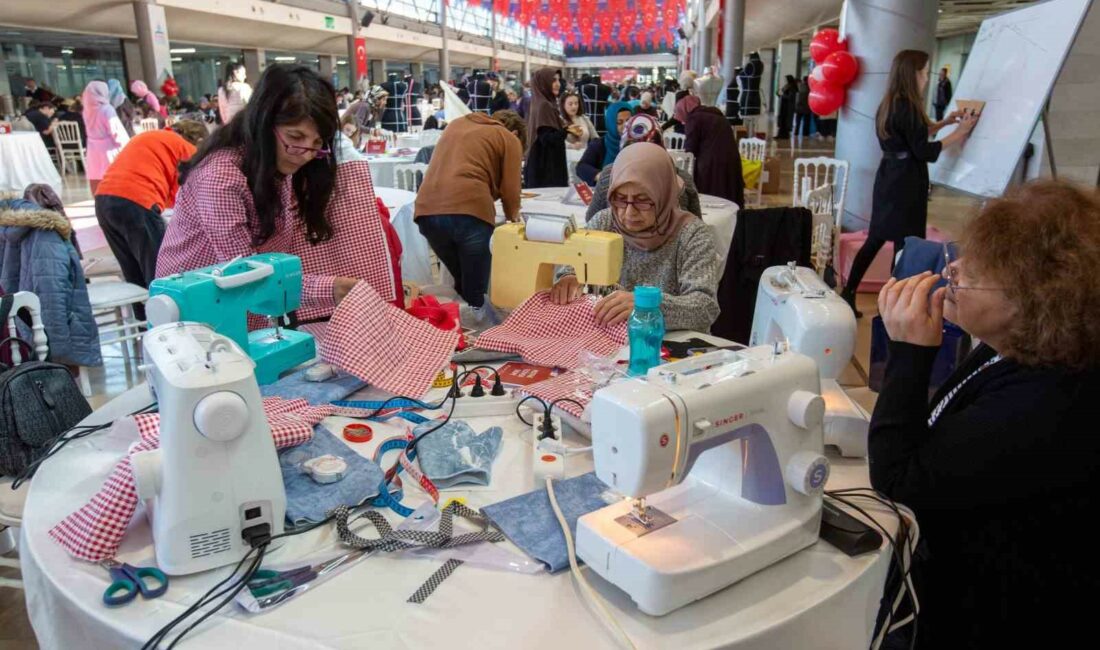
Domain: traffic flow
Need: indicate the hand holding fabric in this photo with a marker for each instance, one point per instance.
(910, 312)
(565, 290)
(614, 308)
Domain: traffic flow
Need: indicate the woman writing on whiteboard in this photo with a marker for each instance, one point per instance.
(900, 202)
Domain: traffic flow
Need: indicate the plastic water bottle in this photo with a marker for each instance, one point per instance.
(647, 329)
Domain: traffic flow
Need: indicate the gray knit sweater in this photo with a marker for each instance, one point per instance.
(685, 269)
(689, 196)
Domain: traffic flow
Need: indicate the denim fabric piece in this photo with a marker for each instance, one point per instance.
(529, 521)
(457, 454)
(296, 386)
(308, 501)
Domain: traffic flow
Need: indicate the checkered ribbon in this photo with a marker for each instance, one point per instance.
(546, 334)
(436, 578)
(390, 540)
(384, 346)
(96, 529)
(573, 385)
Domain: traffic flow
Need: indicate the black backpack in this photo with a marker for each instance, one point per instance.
(39, 401)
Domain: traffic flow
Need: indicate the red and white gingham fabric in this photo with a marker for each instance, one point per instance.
(385, 346)
(573, 385)
(210, 225)
(546, 334)
(95, 531)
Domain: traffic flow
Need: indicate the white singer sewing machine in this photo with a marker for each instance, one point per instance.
(723, 457)
(216, 473)
(525, 254)
(793, 304)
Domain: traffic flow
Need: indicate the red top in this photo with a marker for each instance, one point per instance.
(146, 170)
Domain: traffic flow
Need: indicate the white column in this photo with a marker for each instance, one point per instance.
(526, 54)
(789, 52)
(152, 31)
(444, 52)
(493, 36)
(254, 63)
(767, 80)
(733, 37)
(878, 29)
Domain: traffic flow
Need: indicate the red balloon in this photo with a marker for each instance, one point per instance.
(817, 78)
(826, 98)
(825, 43)
(840, 68)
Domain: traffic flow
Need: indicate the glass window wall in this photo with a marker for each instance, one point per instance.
(200, 69)
(63, 63)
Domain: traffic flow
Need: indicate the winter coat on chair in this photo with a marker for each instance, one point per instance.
(36, 255)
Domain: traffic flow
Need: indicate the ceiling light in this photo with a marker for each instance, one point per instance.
(66, 51)
(182, 50)
(341, 63)
(286, 58)
(177, 58)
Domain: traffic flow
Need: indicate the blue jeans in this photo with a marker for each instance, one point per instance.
(461, 242)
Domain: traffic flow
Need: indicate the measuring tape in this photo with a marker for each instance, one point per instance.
(405, 461)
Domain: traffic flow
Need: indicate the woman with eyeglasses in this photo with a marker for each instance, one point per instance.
(262, 183)
(1005, 458)
(665, 246)
(899, 207)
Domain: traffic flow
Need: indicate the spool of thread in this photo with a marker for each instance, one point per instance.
(358, 432)
(547, 228)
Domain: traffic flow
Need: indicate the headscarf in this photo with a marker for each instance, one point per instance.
(96, 97)
(642, 128)
(685, 107)
(139, 88)
(612, 139)
(115, 92)
(651, 167)
(544, 108)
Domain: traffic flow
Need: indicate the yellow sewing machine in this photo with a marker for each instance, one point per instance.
(525, 254)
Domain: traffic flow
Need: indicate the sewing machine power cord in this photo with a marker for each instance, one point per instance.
(902, 554)
(593, 598)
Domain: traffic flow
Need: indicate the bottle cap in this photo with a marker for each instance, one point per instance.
(647, 297)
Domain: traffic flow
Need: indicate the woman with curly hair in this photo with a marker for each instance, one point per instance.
(1006, 453)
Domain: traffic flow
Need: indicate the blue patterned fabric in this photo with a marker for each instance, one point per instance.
(529, 521)
(296, 386)
(308, 501)
(457, 454)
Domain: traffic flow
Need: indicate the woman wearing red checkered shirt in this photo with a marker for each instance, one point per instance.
(263, 183)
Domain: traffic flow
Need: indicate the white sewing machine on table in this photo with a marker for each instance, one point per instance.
(216, 475)
(793, 304)
(722, 455)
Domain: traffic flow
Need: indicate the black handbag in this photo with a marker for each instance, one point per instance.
(39, 401)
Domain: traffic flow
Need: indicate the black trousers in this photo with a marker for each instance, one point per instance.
(461, 242)
(134, 234)
(865, 257)
(802, 123)
(939, 112)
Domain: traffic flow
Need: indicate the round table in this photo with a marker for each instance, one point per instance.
(818, 597)
(718, 213)
(381, 168)
(25, 161)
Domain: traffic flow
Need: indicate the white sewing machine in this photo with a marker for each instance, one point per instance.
(722, 455)
(216, 473)
(793, 304)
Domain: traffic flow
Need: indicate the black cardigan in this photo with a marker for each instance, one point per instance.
(1004, 485)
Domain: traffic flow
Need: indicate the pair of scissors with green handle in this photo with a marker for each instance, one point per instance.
(266, 582)
(128, 581)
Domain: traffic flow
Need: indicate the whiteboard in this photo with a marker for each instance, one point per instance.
(1012, 66)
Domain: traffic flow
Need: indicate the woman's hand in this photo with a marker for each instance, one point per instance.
(911, 314)
(341, 287)
(966, 122)
(565, 290)
(574, 130)
(615, 308)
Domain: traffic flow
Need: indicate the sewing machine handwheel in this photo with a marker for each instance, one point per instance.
(806, 409)
(221, 416)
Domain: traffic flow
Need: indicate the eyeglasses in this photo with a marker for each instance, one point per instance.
(951, 273)
(621, 203)
(295, 150)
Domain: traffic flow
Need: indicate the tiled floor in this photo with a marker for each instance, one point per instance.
(947, 210)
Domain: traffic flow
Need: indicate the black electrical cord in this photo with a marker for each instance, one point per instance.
(540, 400)
(550, 408)
(76, 433)
(234, 589)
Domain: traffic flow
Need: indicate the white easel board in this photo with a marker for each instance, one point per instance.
(1015, 60)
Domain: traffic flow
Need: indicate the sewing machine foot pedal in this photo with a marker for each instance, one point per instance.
(656, 520)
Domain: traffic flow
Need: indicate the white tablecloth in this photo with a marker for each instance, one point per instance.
(718, 213)
(24, 161)
(381, 168)
(817, 598)
(415, 251)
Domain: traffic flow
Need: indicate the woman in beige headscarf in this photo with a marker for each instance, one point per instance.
(665, 246)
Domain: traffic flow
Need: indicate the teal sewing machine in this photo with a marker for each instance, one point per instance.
(222, 296)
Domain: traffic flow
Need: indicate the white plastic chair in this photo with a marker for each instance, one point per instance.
(12, 501)
(754, 149)
(113, 309)
(684, 161)
(826, 225)
(147, 124)
(66, 138)
(409, 177)
(812, 173)
(674, 141)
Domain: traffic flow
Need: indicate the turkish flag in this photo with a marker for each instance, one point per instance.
(360, 58)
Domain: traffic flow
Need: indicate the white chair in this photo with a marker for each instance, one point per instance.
(409, 177)
(826, 225)
(430, 137)
(812, 173)
(113, 308)
(754, 149)
(12, 501)
(147, 124)
(66, 138)
(684, 161)
(674, 141)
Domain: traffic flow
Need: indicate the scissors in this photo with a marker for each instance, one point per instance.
(267, 581)
(128, 581)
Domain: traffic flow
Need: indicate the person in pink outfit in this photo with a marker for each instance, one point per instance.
(106, 135)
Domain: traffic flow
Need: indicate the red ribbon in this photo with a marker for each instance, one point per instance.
(442, 316)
